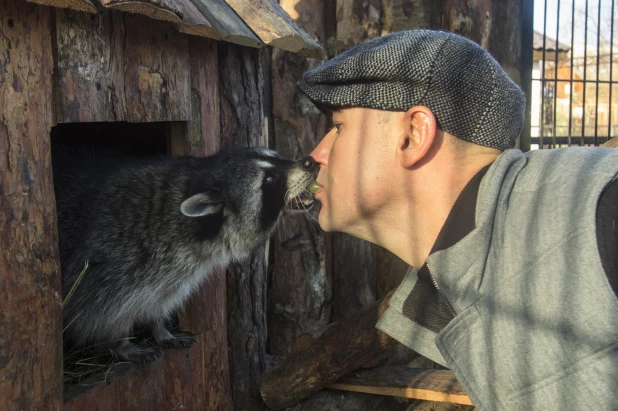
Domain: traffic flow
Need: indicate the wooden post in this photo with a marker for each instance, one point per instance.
(300, 293)
(243, 124)
(30, 291)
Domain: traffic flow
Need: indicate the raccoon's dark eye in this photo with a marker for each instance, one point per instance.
(271, 179)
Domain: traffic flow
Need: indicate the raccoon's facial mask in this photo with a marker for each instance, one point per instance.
(203, 204)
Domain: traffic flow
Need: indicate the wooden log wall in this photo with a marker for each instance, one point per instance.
(30, 291)
(114, 66)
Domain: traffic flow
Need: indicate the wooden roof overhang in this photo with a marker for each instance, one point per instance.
(252, 23)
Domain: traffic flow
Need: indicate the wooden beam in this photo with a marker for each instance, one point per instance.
(79, 5)
(166, 10)
(156, 66)
(266, 22)
(401, 381)
(351, 344)
(90, 70)
(275, 27)
(226, 23)
(193, 22)
(30, 290)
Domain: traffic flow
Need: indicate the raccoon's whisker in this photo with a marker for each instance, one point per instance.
(306, 209)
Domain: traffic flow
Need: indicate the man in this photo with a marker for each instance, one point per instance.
(513, 256)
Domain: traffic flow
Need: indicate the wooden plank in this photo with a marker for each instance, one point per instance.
(350, 344)
(227, 24)
(243, 113)
(417, 383)
(206, 312)
(79, 5)
(266, 22)
(300, 292)
(311, 45)
(329, 399)
(193, 22)
(157, 81)
(309, 15)
(611, 143)
(30, 290)
(275, 27)
(165, 10)
(90, 77)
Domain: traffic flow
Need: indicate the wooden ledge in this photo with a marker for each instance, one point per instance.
(79, 5)
(227, 24)
(194, 23)
(400, 381)
(165, 10)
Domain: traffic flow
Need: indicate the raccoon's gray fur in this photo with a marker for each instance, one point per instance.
(152, 229)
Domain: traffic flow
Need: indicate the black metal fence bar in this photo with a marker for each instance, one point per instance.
(611, 74)
(596, 85)
(576, 80)
(556, 71)
(571, 70)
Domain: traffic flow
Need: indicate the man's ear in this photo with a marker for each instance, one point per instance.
(418, 137)
(206, 203)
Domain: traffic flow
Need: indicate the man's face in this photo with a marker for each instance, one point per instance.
(356, 157)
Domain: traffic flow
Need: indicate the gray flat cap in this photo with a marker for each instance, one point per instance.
(463, 85)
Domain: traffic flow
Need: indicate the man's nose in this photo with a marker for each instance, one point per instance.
(321, 152)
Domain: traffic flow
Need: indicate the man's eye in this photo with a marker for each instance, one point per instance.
(337, 127)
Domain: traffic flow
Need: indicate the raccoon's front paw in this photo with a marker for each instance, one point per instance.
(125, 351)
(180, 341)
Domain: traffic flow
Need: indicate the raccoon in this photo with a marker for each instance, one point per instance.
(152, 229)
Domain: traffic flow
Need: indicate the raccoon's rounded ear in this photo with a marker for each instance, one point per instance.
(202, 204)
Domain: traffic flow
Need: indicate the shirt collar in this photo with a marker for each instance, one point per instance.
(461, 219)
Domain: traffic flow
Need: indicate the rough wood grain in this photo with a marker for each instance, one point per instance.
(90, 78)
(193, 22)
(274, 26)
(243, 115)
(300, 291)
(120, 67)
(354, 275)
(173, 382)
(351, 344)
(265, 19)
(79, 5)
(422, 384)
(30, 291)
(357, 20)
(227, 24)
(309, 16)
(328, 399)
(157, 82)
(206, 312)
(391, 271)
(166, 10)
(400, 15)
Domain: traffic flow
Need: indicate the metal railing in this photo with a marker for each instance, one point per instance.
(568, 73)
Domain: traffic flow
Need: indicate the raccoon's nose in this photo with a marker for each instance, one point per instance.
(309, 164)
